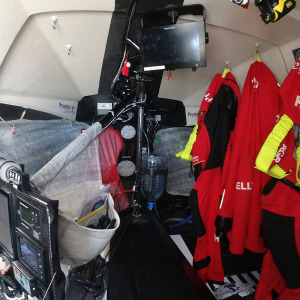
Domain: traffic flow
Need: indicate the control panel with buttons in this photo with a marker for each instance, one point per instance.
(28, 219)
(25, 278)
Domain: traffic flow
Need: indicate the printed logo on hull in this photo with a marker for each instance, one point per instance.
(66, 108)
(192, 115)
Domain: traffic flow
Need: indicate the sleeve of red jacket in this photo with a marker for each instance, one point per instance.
(226, 165)
(201, 147)
(290, 93)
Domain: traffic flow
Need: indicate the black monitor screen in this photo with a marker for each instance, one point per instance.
(5, 230)
(173, 46)
(28, 252)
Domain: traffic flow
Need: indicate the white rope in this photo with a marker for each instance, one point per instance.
(14, 125)
(49, 286)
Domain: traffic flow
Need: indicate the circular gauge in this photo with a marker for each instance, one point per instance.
(128, 132)
(126, 168)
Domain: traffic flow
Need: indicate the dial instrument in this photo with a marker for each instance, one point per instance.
(126, 168)
(128, 132)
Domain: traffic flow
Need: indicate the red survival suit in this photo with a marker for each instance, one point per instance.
(240, 208)
(280, 277)
(209, 151)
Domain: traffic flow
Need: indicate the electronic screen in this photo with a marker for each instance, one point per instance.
(5, 228)
(173, 46)
(28, 252)
(25, 214)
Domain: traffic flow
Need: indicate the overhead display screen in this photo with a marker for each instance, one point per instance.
(173, 46)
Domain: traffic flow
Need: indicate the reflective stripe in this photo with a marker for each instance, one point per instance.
(270, 147)
(186, 153)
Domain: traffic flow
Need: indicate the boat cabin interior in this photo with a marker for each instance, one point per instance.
(149, 150)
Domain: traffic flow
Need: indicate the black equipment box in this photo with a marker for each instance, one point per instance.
(29, 238)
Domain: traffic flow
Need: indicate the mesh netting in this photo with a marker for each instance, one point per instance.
(74, 173)
(71, 176)
(37, 142)
(168, 142)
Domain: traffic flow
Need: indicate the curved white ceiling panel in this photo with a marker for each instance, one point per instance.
(36, 70)
(14, 14)
(39, 65)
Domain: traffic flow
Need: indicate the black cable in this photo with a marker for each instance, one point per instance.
(106, 263)
(7, 282)
(130, 14)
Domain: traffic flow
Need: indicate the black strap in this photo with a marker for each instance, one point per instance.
(273, 181)
(8, 282)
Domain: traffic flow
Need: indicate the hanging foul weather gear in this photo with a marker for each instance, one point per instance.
(211, 147)
(281, 202)
(258, 113)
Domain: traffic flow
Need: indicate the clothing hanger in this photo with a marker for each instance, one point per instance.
(226, 69)
(257, 56)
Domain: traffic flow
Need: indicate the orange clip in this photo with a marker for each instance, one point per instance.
(3, 272)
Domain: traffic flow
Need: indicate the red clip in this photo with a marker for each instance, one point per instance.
(125, 68)
(169, 75)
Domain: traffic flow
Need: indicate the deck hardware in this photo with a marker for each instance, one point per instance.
(54, 20)
(69, 47)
